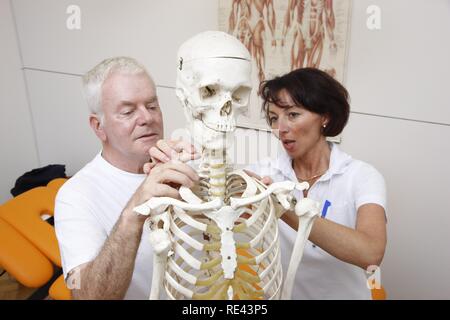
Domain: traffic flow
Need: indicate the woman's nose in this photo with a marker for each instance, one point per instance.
(283, 125)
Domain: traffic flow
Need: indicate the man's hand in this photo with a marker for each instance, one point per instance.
(164, 151)
(163, 180)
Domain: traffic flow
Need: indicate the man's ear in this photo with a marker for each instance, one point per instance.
(97, 126)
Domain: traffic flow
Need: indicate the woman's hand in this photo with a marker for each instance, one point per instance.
(266, 180)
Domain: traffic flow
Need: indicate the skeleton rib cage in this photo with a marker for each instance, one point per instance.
(194, 270)
(228, 247)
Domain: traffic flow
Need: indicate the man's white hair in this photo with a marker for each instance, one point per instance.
(93, 80)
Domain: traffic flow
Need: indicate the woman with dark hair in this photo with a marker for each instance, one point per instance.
(304, 107)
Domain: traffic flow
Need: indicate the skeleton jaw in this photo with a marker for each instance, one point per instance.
(221, 125)
(209, 137)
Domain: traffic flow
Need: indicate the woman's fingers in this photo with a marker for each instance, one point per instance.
(252, 174)
(266, 180)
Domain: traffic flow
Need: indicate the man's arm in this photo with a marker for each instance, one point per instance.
(108, 276)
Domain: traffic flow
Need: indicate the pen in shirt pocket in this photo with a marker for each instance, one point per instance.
(326, 205)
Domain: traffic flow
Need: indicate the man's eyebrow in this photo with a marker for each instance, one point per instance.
(126, 103)
(152, 99)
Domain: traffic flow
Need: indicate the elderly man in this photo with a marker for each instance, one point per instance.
(103, 246)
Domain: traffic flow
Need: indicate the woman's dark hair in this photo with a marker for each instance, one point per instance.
(313, 90)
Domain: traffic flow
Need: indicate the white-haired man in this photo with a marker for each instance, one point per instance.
(99, 235)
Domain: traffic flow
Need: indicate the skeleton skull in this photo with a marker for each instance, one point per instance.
(213, 85)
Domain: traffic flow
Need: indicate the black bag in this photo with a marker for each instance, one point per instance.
(38, 177)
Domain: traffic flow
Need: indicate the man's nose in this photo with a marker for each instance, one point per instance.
(144, 116)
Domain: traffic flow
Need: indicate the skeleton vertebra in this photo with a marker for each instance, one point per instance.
(221, 240)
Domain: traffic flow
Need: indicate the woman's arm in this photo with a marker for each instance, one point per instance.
(363, 246)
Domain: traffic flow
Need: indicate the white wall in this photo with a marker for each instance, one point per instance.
(18, 148)
(396, 75)
(397, 78)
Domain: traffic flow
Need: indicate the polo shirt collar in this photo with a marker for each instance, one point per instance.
(339, 161)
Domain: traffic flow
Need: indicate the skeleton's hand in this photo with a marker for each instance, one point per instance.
(164, 151)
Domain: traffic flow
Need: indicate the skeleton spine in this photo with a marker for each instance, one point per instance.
(214, 169)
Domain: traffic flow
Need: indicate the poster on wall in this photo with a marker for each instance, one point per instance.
(283, 35)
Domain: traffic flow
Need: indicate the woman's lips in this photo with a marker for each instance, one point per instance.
(289, 145)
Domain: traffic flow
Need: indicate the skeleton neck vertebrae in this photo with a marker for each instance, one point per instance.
(221, 240)
(213, 171)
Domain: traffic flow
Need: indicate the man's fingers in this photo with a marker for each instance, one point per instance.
(165, 148)
(158, 155)
(174, 166)
(172, 176)
(185, 157)
(148, 167)
(184, 169)
(181, 146)
(185, 151)
(164, 190)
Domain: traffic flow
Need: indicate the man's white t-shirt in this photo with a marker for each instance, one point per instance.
(347, 185)
(87, 207)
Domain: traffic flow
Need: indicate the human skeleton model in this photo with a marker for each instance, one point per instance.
(252, 32)
(308, 17)
(221, 240)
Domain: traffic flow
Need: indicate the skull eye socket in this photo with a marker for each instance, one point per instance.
(241, 95)
(208, 91)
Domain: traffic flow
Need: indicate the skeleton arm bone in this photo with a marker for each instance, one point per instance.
(306, 210)
(161, 244)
